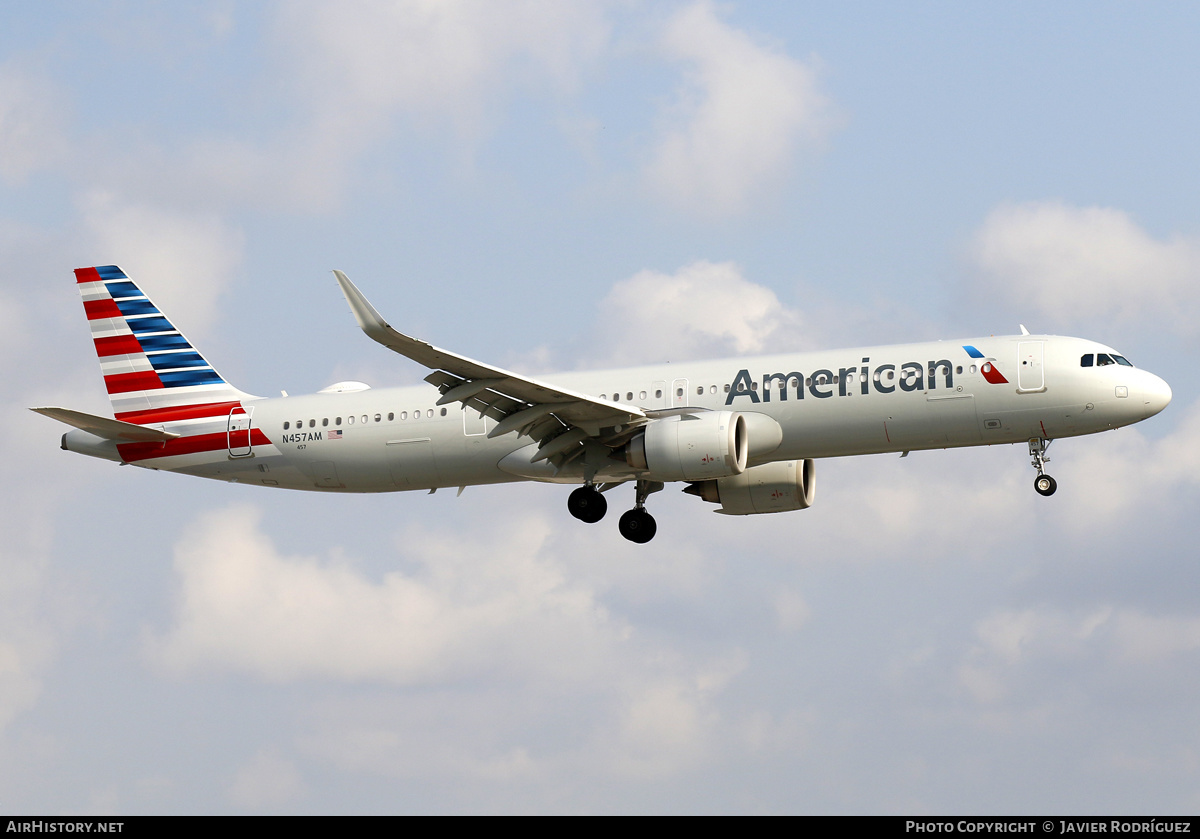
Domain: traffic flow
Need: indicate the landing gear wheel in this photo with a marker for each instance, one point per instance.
(1045, 485)
(587, 504)
(638, 526)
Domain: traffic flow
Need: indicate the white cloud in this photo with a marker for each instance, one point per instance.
(703, 310)
(31, 124)
(791, 611)
(1074, 265)
(443, 57)
(1121, 477)
(1016, 648)
(341, 80)
(738, 122)
(266, 781)
(662, 730)
(469, 608)
(351, 71)
(20, 682)
(182, 260)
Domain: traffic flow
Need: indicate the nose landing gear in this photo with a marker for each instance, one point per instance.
(1043, 483)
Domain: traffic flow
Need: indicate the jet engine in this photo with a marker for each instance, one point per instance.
(691, 447)
(770, 488)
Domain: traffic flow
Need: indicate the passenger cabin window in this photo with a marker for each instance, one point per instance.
(1087, 360)
(325, 422)
(286, 426)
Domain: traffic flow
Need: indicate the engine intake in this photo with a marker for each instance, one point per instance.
(691, 447)
(770, 488)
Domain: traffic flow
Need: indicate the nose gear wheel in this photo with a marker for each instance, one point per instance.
(1043, 483)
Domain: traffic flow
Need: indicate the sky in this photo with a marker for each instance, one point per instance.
(554, 186)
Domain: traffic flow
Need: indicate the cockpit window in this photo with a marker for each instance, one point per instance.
(1087, 360)
(1122, 361)
(1103, 359)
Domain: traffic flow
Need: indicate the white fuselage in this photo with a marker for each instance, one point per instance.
(828, 404)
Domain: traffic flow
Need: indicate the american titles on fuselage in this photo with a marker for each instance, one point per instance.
(908, 376)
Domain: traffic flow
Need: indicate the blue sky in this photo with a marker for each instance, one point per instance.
(557, 186)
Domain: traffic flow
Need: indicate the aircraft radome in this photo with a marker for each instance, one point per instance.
(739, 433)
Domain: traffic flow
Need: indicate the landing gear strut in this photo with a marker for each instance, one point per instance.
(587, 504)
(637, 525)
(1043, 483)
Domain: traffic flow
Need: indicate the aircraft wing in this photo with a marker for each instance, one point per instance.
(109, 429)
(558, 418)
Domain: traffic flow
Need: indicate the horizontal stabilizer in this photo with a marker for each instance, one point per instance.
(109, 429)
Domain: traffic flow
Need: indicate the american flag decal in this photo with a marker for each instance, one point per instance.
(335, 434)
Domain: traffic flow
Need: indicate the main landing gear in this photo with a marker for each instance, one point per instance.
(1043, 483)
(588, 505)
(637, 525)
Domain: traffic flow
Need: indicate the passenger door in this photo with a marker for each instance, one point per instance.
(1030, 372)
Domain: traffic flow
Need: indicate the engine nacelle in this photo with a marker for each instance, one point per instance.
(691, 447)
(770, 488)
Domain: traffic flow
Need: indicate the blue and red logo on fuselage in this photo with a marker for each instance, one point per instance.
(989, 371)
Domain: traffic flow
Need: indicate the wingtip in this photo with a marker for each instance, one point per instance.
(368, 316)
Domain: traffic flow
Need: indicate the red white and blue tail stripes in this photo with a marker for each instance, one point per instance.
(149, 367)
(154, 376)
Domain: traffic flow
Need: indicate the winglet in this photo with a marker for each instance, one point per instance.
(1024, 331)
(368, 316)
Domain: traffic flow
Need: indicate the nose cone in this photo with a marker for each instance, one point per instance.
(1156, 394)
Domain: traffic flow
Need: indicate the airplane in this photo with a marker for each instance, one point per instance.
(742, 433)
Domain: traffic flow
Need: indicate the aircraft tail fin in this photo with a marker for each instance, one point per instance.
(152, 372)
